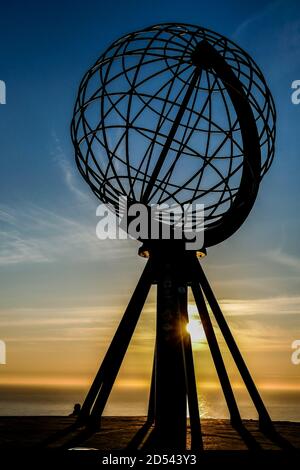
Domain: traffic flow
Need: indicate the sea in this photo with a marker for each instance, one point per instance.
(52, 401)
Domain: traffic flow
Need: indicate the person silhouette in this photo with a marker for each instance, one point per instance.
(76, 411)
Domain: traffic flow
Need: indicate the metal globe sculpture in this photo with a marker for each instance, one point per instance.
(176, 114)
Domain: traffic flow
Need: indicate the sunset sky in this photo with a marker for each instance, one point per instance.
(63, 291)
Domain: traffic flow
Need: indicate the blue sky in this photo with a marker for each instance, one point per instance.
(55, 276)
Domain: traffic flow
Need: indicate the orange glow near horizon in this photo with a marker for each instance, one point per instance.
(129, 384)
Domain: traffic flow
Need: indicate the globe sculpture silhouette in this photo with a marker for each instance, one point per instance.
(176, 114)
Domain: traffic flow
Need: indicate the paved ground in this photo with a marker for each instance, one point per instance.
(117, 432)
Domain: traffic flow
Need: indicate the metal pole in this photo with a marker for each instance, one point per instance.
(264, 417)
(171, 135)
(112, 361)
(216, 355)
(191, 385)
(151, 405)
(170, 389)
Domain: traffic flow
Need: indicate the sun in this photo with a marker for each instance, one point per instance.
(194, 327)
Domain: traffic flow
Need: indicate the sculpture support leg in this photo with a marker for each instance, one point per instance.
(137, 440)
(170, 389)
(216, 354)
(264, 418)
(191, 385)
(98, 394)
(151, 406)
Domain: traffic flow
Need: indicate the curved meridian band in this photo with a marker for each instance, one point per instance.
(206, 56)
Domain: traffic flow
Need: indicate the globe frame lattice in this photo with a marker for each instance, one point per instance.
(176, 114)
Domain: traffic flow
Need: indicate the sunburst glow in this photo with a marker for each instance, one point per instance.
(194, 327)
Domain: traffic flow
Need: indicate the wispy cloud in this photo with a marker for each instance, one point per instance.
(267, 306)
(17, 249)
(261, 324)
(259, 16)
(69, 174)
(77, 324)
(278, 256)
(265, 322)
(32, 234)
(6, 216)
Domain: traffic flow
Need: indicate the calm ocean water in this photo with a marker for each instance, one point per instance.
(30, 401)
